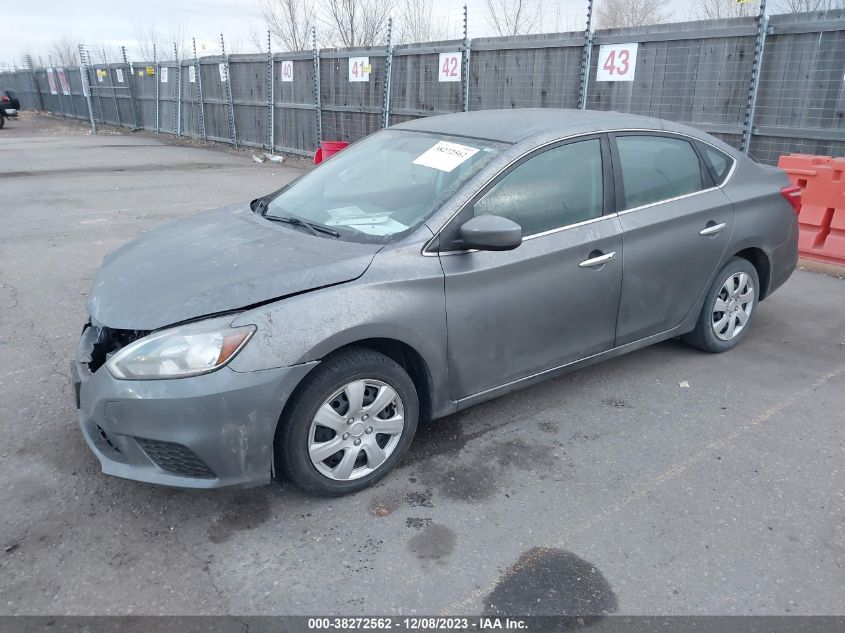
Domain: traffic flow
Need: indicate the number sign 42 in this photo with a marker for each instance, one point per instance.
(617, 62)
(450, 67)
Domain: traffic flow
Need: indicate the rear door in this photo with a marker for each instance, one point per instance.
(552, 300)
(677, 225)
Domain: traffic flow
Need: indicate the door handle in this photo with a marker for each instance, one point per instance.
(712, 230)
(597, 261)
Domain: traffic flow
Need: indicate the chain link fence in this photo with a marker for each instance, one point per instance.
(767, 85)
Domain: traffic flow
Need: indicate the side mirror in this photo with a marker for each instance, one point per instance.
(491, 233)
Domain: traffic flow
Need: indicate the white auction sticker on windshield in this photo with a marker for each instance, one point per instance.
(445, 156)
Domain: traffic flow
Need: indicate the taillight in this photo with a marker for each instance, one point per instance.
(792, 193)
(4, 99)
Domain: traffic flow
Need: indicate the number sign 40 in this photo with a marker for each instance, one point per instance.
(287, 70)
(617, 62)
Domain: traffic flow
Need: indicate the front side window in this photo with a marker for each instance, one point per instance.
(556, 188)
(386, 184)
(656, 168)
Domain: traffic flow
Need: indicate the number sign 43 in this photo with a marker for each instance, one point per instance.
(617, 62)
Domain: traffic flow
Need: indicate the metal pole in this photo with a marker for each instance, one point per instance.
(176, 110)
(37, 89)
(271, 96)
(130, 84)
(86, 89)
(233, 133)
(158, 91)
(388, 65)
(200, 104)
(467, 44)
(754, 84)
(318, 108)
(586, 58)
(56, 81)
(113, 90)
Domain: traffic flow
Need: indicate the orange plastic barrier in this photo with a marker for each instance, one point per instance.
(328, 148)
(821, 221)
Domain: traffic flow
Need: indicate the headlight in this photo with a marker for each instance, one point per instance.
(189, 350)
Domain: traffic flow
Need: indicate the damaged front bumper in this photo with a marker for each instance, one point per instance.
(206, 431)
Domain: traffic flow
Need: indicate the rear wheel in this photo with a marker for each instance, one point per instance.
(728, 308)
(2, 121)
(348, 424)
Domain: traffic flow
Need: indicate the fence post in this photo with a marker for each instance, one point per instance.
(198, 91)
(177, 123)
(754, 84)
(39, 99)
(388, 65)
(55, 80)
(586, 58)
(465, 63)
(86, 89)
(130, 84)
(271, 97)
(233, 133)
(113, 89)
(177, 110)
(318, 110)
(157, 90)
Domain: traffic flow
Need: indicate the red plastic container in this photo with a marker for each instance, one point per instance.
(328, 148)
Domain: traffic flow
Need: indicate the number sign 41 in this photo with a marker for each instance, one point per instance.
(617, 62)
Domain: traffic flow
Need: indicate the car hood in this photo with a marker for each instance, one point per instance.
(216, 261)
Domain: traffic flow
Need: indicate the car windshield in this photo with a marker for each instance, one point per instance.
(385, 185)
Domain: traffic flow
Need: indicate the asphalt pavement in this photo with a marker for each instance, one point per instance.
(668, 481)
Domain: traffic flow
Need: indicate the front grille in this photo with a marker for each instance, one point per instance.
(175, 458)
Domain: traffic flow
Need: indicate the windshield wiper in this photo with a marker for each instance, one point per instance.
(311, 227)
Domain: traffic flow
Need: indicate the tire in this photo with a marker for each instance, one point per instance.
(716, 330)
(331, 390)
(2, 121)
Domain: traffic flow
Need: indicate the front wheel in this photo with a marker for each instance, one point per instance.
(726, 314)
(348, 424)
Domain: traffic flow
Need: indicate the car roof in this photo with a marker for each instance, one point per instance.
(514, 125)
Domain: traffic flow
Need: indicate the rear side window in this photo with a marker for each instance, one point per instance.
(556, 188)
(656, 168)
(718, 162)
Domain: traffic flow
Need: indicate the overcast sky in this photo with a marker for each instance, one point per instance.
(30, 26)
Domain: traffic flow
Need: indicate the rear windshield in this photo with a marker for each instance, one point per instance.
(384, 186)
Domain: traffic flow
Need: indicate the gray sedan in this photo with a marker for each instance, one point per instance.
(431, 266)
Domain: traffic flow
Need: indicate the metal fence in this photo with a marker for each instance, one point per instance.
(767, 85)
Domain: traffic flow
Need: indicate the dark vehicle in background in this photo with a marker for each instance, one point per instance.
(434, 265)
(9, 106)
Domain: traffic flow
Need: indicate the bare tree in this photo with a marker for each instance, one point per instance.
(805, 6)
(613, 14)
(290, 22)
(718, 9)
(65, 51)
(514, 17)
(417, 22)
(154, 42)
(356, 22)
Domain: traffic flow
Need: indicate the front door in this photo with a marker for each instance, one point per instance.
(555, 298)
